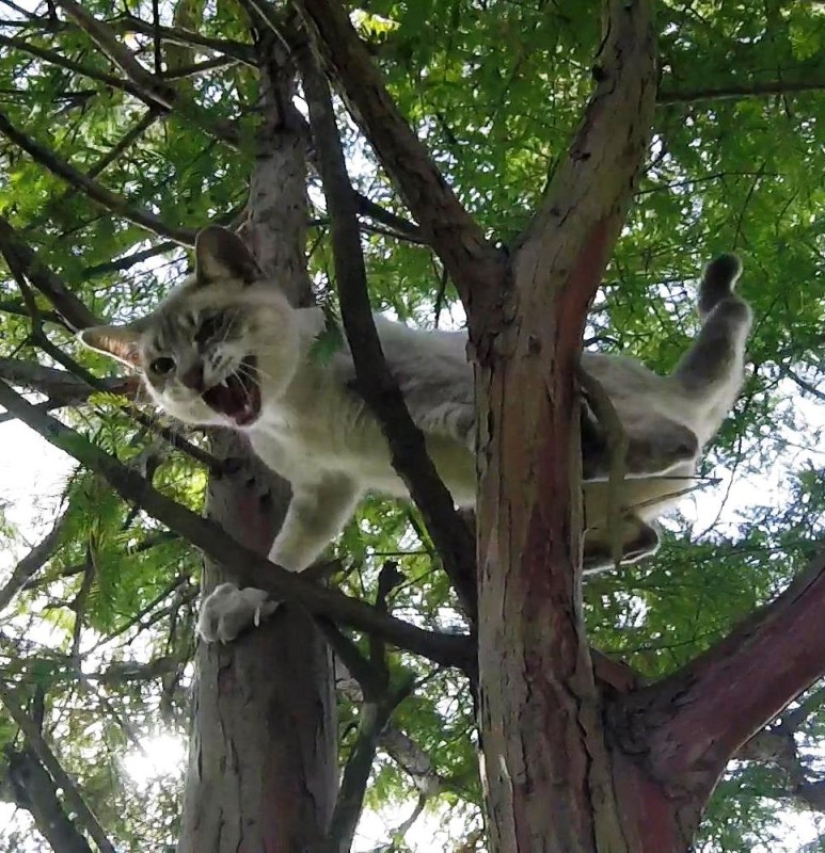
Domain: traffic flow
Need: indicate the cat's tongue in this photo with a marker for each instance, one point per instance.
(237, 397)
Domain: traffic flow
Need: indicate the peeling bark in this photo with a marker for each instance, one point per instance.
(544, 749)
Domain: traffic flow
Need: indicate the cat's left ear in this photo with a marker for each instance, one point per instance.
(119, 342)
(220, 255)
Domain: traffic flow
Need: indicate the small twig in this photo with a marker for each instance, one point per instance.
(130, 260)
(61, 61)
(32, 562)
(160, 91)
(239, 51)
(200, 68)
(114, 153)
(95, 191)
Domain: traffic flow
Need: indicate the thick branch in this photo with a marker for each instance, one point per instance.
(474, 264)
(738, 91)
(528, 507)
(70, 791)
(76, 314)
(695, 720)
(36, 791)
(584, 207)
(447, 649)
(95, 191)
(450, 534)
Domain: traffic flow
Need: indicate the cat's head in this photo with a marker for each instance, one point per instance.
(220, 346)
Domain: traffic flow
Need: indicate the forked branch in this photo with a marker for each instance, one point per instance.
(476, 267)
(696, 720)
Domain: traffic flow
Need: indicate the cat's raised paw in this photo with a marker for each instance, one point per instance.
(228, 611)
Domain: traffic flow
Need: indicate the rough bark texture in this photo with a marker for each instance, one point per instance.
(263, 769)
(548, 770)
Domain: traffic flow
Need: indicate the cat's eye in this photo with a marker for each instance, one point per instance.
(162, 366)
(209, 328)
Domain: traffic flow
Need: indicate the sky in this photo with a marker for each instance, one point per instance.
(33, 475)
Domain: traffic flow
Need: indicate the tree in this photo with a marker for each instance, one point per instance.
(611, 715)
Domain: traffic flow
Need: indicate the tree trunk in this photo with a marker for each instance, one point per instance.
(549, 770)
(263, 770)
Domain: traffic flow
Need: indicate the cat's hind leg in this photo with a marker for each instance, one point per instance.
(654, 443)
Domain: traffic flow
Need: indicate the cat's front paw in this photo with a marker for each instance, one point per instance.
(228, 611)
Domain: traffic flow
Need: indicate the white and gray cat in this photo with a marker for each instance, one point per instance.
(226, 348)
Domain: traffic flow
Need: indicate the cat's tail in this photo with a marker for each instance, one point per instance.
(718, 282)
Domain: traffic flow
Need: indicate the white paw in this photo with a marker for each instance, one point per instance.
(229, 610)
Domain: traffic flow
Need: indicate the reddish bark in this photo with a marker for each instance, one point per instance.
(688, 726)
(544, 747)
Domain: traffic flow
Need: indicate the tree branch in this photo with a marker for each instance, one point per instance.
(239, 51)
(529, 500)
(153, 88)
(128, 261)
(734, 91)
(60, 386)
(113, 154)
(448, 649)
(367, 207)
(36, 791)
(695, 720)
(32, 563)
(376, 384)
(95, 191)
(54, 58)
(584, 206)
(61, 777)
(76, 314)
(474, 264)
(350, 801)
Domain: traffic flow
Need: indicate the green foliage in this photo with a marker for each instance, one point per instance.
(496, 88)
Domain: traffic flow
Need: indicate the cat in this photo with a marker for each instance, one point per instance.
(226, 348)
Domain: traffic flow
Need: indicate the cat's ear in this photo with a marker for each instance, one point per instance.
(220, 254)
(119, 342)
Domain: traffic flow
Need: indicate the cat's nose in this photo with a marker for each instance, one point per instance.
(193, 378)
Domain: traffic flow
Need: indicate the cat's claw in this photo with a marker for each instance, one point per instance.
(228, 611)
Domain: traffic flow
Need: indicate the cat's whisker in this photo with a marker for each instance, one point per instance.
(312, 429)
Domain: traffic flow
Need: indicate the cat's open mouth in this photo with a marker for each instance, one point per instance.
(238, 395)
